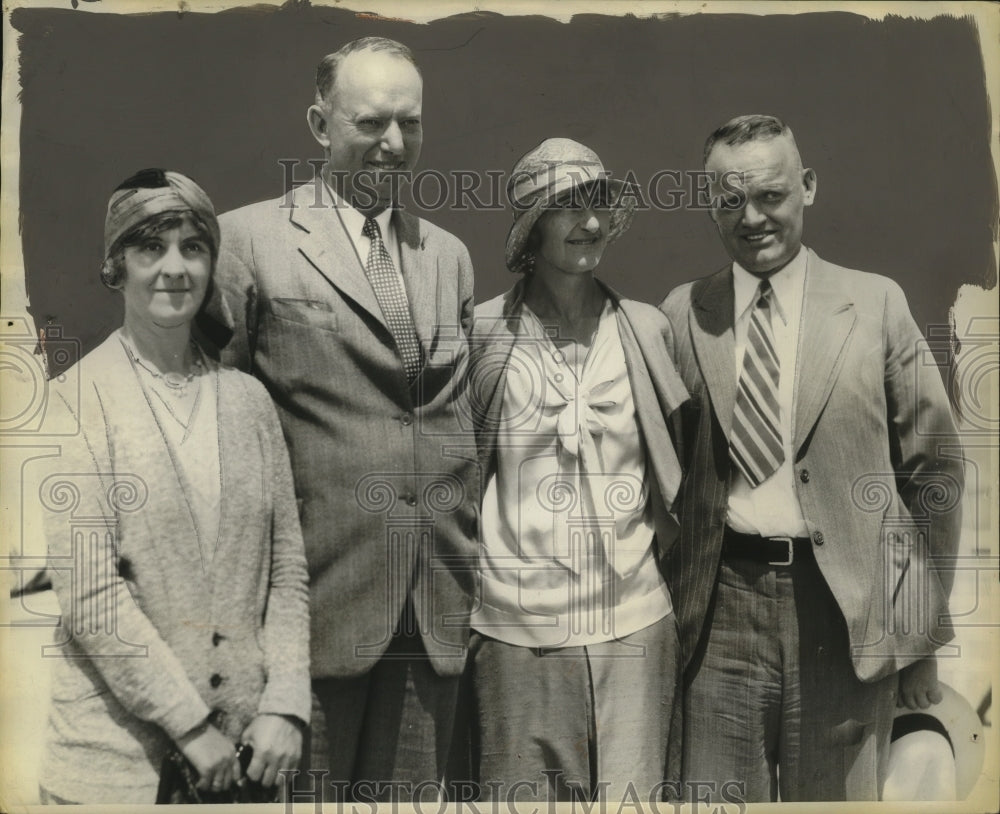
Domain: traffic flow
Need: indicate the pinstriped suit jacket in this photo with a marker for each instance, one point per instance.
(878, 463)
(384, 471)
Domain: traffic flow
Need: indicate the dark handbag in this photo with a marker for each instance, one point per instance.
(179, 779)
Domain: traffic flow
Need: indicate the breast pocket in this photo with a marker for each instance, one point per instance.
(311, 313)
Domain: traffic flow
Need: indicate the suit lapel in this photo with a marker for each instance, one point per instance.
(828, 318)
(420, 277)
(324, 242)
(711, 324)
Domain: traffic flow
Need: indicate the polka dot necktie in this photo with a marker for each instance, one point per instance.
(755, 442)
(392, 299)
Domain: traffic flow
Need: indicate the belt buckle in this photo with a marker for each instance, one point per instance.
(789, 542)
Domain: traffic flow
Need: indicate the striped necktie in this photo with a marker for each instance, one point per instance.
(391, 298)
(755, 442)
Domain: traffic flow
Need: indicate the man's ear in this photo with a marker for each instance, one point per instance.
(809, 182)
(316, 118)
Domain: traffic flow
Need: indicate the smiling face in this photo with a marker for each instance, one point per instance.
(572, 235)
(166, 276)
(762, 230)
(370, 124)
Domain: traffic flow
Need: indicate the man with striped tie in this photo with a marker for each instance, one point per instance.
(822, 495)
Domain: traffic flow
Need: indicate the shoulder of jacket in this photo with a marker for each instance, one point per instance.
(855, 281)
(244, 217)
(643, 311)
(441, 238)
(680, 297)
(491, 309)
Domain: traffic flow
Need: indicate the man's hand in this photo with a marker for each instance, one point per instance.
(213, 757)
(277, 745)
(918, 684)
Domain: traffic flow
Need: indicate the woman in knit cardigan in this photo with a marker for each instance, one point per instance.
(174, 541)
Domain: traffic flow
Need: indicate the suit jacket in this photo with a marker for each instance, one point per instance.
(155, 633)
(656, 390)
(384, 471)
(878, 464)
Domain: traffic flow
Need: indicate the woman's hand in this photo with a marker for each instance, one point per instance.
(277, 745)
(213, 757)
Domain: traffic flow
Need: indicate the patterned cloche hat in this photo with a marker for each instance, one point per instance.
(545, 173)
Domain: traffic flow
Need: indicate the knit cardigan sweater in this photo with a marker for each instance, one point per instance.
(156, 635)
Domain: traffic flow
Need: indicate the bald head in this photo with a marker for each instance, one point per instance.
(329, 66)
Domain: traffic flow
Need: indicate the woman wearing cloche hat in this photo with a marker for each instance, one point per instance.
(173, 535)
(573, 661)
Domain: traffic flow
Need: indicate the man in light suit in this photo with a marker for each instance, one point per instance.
(824, 477)
(354, 315)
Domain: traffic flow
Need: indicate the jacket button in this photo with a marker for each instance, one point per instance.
(818, 538)
(216, 638)
(215, 680)
(804, 475)
(406, 420)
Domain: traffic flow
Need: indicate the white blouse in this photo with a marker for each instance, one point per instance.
(568, 554)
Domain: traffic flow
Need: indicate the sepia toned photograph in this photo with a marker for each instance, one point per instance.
(488, 408)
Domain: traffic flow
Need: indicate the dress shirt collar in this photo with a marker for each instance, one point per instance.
(354, 221)
(787, 285)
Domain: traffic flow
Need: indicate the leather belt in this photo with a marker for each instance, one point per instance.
(776, 551)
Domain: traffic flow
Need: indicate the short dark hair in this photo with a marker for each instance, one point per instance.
(740, 130)
(326, 72)
(113, 270)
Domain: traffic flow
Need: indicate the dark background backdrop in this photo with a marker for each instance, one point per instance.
(892, 115)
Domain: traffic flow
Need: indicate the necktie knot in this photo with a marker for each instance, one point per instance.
(764, 292)
(371, 230)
